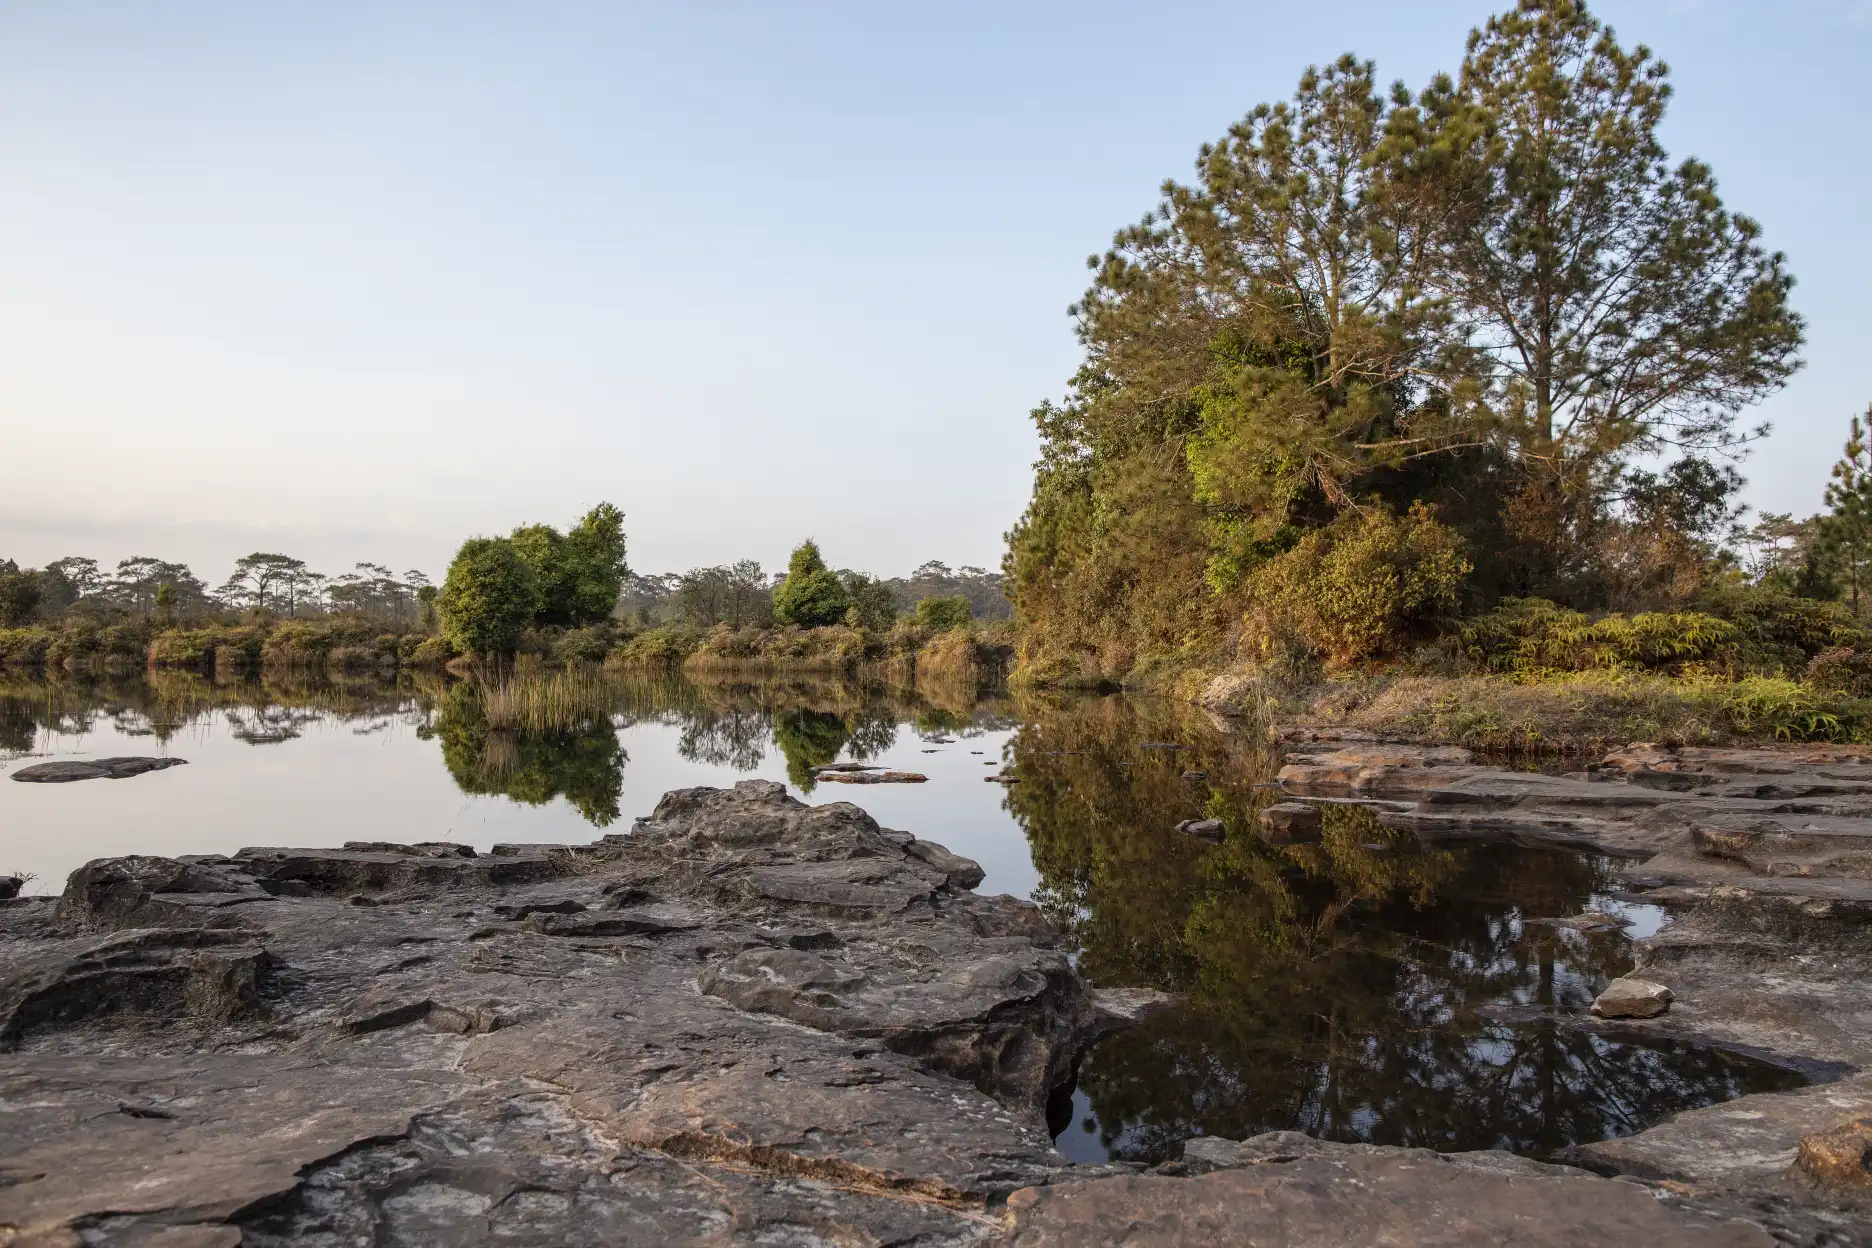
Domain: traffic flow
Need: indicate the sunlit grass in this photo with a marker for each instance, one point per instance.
(537, 700)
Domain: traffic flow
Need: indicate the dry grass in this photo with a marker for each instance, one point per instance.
(535, 700)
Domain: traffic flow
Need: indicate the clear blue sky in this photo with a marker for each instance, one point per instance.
(356, 280)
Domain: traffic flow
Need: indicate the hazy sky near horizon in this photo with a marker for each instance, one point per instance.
(354, 281)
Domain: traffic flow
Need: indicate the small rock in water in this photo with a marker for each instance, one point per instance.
(1203, 829)
(1002, 778)
(10, 886)
(1593, 921)
(825, 767)
(1290, 823)
(68, 770)
(871, 777)
(1195, 776)
(1632, 998)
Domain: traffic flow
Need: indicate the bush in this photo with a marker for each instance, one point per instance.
(1357, 588)
(1528, 636)
(24, 647)
(812, 594)
(941, 615)
(489, 595)
(656, 647)
(430, 652)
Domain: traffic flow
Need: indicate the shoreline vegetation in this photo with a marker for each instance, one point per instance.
(1419, 413)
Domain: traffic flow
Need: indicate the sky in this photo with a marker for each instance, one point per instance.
(354, 281)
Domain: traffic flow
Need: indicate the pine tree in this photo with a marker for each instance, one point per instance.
(1845, 540)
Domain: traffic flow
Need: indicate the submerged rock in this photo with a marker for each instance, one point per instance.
(1211, 830)
(66, 770)
(1291, 823)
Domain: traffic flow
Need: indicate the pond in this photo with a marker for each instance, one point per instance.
(1365, 988)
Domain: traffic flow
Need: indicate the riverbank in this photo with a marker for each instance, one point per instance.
(756, 1016)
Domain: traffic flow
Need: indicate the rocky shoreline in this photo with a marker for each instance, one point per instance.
(750, 1020)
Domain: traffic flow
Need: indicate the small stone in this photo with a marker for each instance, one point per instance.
(1291, 823)
(1593, 921)
(871, 777)
(1841, 1157)
(10, 886)
(1632, 998)
(1194, 777)
(1203, 829)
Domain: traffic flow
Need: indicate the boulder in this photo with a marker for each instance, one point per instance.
(10, 886)
(1632, 998)
(1841, 1157)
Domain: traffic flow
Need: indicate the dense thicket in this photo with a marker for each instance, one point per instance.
(1453, 327)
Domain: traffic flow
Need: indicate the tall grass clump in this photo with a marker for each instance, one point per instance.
(545, 701)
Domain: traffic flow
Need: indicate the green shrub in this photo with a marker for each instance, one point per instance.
(1528, 636)
(1357, 588)
(812, 594)
(941, 615)
(1762, 706)
(489, 595)
(24, 647)
(429, 652)
(656, 647)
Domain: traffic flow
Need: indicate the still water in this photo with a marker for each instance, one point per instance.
(1365, 988)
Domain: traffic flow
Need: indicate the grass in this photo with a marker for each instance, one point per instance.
(1578, 712)
(546, 701)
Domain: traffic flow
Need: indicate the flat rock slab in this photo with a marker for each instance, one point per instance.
(871, 777)
(1381, 1198)
(64, 771)
(1632, 998)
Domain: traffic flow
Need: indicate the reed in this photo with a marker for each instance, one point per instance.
(537, 700)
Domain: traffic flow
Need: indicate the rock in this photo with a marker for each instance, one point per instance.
(10, 886)
(871, 777)
(825, 768)
(1004, 777)
(749, 1019)
(1588, 921)
(1300, 1193)
(1841, 1157)
(1212, 830)
(1632, 998)
(1290, 823)
(1195, 777)
(64, 770)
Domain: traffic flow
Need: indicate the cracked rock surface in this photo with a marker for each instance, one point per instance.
(747, 1021)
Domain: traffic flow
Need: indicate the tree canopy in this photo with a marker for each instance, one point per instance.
(812, 594)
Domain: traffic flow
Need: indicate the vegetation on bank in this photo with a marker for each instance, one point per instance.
(1421, 411)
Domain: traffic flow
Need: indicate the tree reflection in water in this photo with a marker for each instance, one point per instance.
(1343, 989)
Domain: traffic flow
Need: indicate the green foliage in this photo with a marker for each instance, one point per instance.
(579, 574)
(24, 647)
(1844, 537)
(873, 602)
(20, 593)
(1488, 298)
(1350, 591)
(735, 594)
(489, 595)
(812, 594)
(656, 647)
(941, 615)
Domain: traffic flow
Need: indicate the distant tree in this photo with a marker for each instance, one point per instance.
(19, 594)
(596, 550)
(942, 615)
(489, 595)
(580, 573)
(1845, 531)
(811, 596)
(134, 584)
(734, 594)
(426, 606)
(873, 602)
(83, 575)
(261, 579)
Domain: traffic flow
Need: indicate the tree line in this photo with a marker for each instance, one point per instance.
(1394, 355)
(741, 594)
(143, 587)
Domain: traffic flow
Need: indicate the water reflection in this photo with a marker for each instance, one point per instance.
(1355, 989)
(1361, 988)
